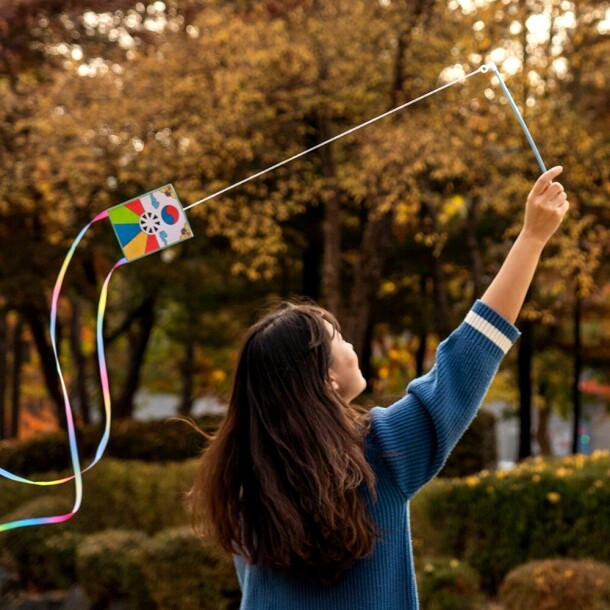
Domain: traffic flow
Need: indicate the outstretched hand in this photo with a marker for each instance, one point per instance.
(546, 206)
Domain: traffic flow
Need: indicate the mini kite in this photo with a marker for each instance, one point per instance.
(149, 223)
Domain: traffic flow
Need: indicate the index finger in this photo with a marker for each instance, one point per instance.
(545, 179)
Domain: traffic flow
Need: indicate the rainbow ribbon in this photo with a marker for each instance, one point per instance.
(74, 457)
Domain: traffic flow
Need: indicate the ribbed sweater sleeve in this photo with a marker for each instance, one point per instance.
(417, 433)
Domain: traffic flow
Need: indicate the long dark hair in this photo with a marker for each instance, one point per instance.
(281, 481)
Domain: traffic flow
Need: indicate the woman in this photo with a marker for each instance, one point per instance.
(311, 496)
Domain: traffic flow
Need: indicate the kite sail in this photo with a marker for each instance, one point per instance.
(150, 222)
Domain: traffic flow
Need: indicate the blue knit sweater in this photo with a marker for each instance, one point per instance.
(407, 445)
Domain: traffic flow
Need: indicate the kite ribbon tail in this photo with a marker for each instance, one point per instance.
(101, 355)
(69, 418)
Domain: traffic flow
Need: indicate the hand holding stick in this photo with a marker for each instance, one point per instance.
(545, 208)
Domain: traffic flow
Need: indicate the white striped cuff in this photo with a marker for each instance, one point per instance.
(488, 330)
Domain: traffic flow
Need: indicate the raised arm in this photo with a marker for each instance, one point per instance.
(544, 210)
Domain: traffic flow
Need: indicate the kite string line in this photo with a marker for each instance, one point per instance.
(482, 69)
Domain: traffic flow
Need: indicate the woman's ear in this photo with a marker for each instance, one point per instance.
(333, 381)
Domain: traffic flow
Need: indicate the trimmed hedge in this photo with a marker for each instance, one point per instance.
(150, 441)
(42, 558)
(134, 495)
(171, 571)
(558, 584)
(448, 584)
(476, 450)
(117, 494)
(108, 566)
(181, 572)
(540, 509)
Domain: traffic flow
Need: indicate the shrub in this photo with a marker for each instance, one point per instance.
(13, 495)
(108, 568)
(181, 572)
(557, 585)
(540, 509)
(150, 496)
(426, 538)
(448, 584)
(476, 450)
(39, 454)
(43, 555)
(157, 440)
(151, 441)
(117, 495)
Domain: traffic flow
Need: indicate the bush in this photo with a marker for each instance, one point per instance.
(44, 555)
(156, 441)
(181, 572)
(150, 496)
(39, 454)
(448, 584)
(426, 538)
(116, 495)
(108, 569)
(13, 495)
(151, 441)
(540, 509)
(476, 450)
(557, 585)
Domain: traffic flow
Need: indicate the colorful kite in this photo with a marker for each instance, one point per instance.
(150, 222)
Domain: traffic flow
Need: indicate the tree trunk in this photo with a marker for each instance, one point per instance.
(3, 373)
(331, 226)
(139, 337)
(36, 321)
(16, 377)
(577, 371)
(429, 221)
(524, 366)
(188, 373)
(421, 10)
(312, 257)
(366, 279)
(422, 343)
(473, 247)
(80, 363)
(542, 432)
(420, 354)
(441, 303)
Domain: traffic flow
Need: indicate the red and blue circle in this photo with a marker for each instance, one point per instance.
(170, 214)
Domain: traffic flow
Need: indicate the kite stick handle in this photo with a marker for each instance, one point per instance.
(492, 66)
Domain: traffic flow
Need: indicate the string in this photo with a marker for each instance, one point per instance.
(482, 69)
